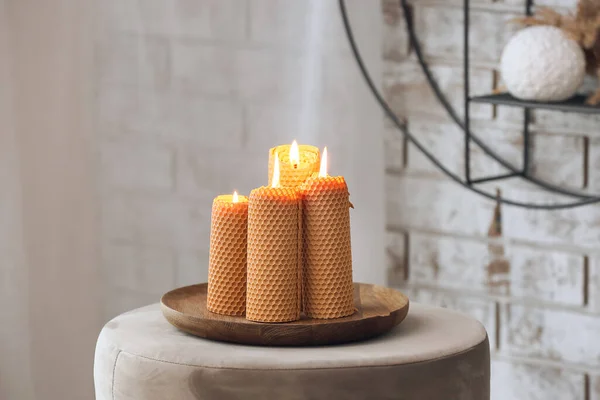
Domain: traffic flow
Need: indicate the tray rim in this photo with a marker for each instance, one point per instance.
(307, 328)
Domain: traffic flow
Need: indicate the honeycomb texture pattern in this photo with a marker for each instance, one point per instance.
(227, 260)
(273, 255)
(310, 161)
(328, 289)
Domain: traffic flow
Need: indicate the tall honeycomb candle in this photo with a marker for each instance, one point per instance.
(274, 243)
(328, 288)
(297, 163)
(227, 260)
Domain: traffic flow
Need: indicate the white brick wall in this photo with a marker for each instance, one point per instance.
(535, 382)
(536, 288)
(190, 95)
(480, 308)
(557, 335)
(408, 91)
(137, 268)
(208, 19)
(437, 28)
(133, 60)
(211, 122)
(139, 167)
(517, 271)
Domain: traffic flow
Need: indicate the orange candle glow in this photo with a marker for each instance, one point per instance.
(227, 259)
(297, 162)
(328, 288)
(274, 280)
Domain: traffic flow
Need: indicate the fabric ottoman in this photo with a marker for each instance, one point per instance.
(434, 354)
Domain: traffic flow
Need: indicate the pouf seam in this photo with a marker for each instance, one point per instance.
(114, 374)
(486, 339)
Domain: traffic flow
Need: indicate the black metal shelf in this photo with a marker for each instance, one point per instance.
(580, 198)
(574, 104)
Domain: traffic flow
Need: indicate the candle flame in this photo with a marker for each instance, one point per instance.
(294, 154)
(275, 180)
(323, 169)
(235, 197)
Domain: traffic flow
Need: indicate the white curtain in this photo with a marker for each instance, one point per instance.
(48, 212)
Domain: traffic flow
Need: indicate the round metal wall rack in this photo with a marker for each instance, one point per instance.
(575, 104)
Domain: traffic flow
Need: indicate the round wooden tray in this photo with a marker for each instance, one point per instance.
(378, 310)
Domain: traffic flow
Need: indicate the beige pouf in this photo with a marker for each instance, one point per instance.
(434, 354)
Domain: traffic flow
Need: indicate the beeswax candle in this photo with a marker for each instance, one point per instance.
(328, 288)
(273, 292)
(297, 162)
(227, 259)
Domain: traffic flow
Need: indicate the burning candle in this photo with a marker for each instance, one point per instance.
(227, 259)
(328, 288)
(274, 245)
(297, 162)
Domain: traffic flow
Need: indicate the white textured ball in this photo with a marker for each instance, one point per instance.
(541, 63)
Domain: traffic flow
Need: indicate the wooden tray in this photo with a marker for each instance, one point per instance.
(378, 310)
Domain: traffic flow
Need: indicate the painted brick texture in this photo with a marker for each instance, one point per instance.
(189, 97)
(535, 284)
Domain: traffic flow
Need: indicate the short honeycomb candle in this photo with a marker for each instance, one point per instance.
(273, 292)
(297, 162)
(227, 260)
(328, 288)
